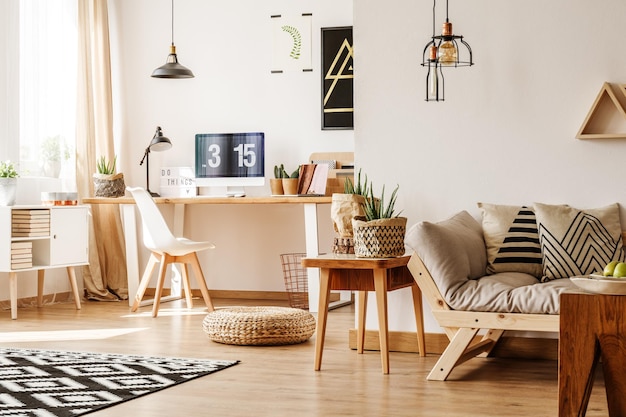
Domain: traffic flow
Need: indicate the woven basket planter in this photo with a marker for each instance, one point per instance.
(259, 325)
(109, 185)
(381, 238)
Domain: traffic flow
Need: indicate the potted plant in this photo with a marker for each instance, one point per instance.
(276, 183)
(343, 208)
(53, 148)
(290, 182)
(8, 183)
(380, 232)
(107, 182)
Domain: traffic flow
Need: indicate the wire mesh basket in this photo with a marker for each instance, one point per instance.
(296, 280)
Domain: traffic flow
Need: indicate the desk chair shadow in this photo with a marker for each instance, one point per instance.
(166, 249)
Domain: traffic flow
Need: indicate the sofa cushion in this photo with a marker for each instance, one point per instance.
(578, 242)
(453, 250)
(511, 239)
(511, 292)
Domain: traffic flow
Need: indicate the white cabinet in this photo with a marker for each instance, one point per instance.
(39, 238)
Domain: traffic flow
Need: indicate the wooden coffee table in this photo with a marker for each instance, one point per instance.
(592, 326)
(347, 272)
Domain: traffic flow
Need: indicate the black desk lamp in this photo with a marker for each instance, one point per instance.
(158, 143)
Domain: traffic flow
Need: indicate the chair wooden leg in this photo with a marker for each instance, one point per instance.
(165, 260)
(186, 286)
(197, 271)
(145, 279)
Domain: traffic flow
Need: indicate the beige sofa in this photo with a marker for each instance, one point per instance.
(469, 289)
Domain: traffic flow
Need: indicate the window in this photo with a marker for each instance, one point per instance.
(47, 89)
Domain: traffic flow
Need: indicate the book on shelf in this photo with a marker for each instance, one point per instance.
(30, 211)
(30, 228)
(31, 234)
(15, 256)
(21, 265)
(21, 245)
(21, 251)
(20, 220)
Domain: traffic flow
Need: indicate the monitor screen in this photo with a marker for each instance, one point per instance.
(230, 159)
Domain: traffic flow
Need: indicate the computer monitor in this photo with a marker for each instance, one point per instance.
(228, 162)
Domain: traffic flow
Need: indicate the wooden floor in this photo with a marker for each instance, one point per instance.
(280, 380)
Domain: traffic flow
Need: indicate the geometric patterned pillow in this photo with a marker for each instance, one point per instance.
(511, 239)
(578, 242)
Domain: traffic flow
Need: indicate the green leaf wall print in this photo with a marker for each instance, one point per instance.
(297, 41)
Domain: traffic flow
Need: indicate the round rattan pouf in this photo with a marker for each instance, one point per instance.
(259, 325)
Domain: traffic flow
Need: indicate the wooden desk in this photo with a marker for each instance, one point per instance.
(592, 326)
(127, 205)
(347, 272)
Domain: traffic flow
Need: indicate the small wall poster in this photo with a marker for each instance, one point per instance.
(337, 78)
(291, 37)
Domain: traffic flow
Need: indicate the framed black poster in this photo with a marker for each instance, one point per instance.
(337, 78)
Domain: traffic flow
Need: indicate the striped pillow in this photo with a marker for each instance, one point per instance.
(511, 239)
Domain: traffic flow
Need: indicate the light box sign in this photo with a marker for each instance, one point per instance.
(230, 155)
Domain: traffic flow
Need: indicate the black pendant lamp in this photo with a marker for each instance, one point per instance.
(443, 50)
(171, 68)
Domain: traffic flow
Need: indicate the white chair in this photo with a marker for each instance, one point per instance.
(166, 249)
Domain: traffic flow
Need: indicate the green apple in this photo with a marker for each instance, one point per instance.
(609, 269)
(620, 270)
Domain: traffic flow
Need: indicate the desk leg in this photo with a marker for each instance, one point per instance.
(380, 284)
(312, 249)
(362, 314)
(322, 315)
(129, 222)
(419, 318)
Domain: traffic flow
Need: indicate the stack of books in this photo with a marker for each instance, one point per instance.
(21, 255)
(30, 223)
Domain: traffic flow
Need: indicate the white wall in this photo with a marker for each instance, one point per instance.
(228, 47)
(506, 132)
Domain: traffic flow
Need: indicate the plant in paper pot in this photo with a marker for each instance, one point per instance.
(343, 208)
(108, 183)
(380, 233)
(8, 183)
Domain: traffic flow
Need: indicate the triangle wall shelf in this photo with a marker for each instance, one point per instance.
(607, 117)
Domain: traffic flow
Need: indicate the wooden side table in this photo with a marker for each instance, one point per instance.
(347, 272)
(591, 326)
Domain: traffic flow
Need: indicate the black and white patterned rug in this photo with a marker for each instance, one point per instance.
(46, 383)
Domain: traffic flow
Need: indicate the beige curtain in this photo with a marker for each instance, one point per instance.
(105, 277)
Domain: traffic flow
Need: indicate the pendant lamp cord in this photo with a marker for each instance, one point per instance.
(434, 6)
(172, 22)
(446, 11)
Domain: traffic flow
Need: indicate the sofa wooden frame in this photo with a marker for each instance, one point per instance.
(461, 327)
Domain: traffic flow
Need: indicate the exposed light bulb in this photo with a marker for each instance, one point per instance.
(448, 54)
(433, 84)
(433, 78)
